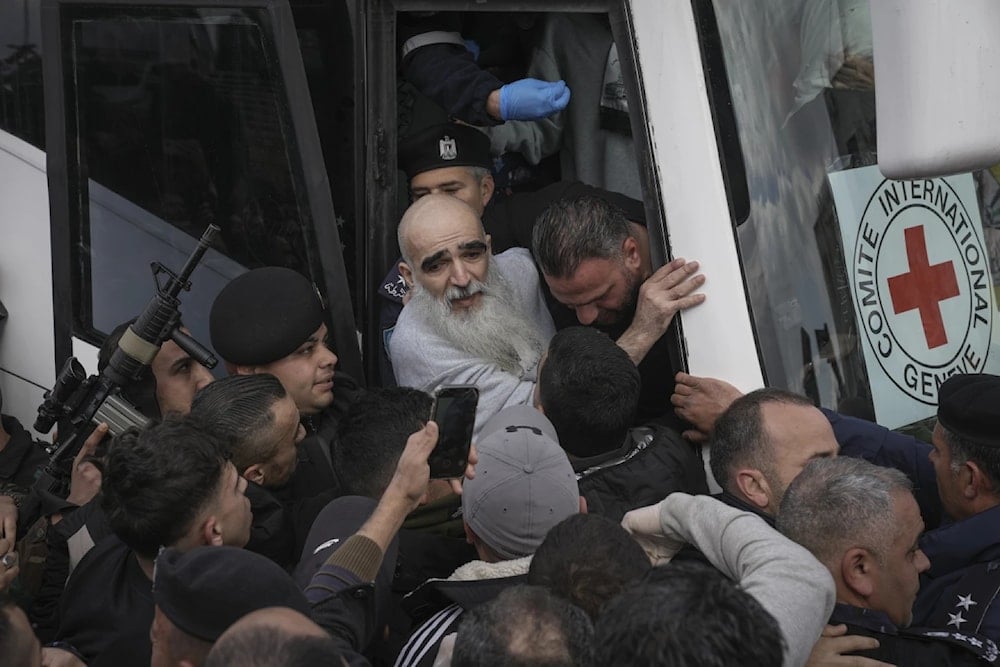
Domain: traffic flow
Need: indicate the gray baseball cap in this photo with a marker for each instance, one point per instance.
(524, 483)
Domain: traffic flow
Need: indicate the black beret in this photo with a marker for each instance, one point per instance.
(969, 407)
(445, 145)
(207, 589)
(264, 315)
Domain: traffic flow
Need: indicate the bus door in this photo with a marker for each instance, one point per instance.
(604, 138)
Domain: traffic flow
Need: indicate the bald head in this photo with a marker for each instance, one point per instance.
(275, 636)
(285, 620)
(433, 216)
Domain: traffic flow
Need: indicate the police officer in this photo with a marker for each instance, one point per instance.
(271, 320)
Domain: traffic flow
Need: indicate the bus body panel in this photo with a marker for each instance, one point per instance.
(27, 357)
(718, 334)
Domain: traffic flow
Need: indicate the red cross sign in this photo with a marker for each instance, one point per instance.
(924, 287)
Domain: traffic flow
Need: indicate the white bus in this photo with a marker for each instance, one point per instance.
(753, 126)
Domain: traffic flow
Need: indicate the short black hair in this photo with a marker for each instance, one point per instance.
(264, 646)
(570, 231)
(963, 450)
(587, 559)
(157, 480)
(524, 626)
(240, 409)
(739, 438)
(373, 434)
(589, 389)
(686, 615)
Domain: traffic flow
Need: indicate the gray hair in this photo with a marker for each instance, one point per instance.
(238, 408)
(479, 173)
(964, 450)
(573, 230)
(739, 438)
(842, 502)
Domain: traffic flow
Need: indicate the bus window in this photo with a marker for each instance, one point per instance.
(866, 293)
(177, 117)
(21, 111)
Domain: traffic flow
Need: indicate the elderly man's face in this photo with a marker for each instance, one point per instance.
(450, 257)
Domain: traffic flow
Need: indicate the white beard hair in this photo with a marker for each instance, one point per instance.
(495, 330)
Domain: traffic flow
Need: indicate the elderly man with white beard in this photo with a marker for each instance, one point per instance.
(472, 318)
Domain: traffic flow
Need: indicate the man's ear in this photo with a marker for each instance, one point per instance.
(630, 253)
(972, 481)
(583, 505)
(240, 369)
(486, 188)
(753, 487)
(404, 270)
(211, 531)
(857, 571)
(255, 474)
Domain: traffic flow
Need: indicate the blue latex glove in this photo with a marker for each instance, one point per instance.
(531, 99)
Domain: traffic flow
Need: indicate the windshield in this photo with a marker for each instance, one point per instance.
(866, 293)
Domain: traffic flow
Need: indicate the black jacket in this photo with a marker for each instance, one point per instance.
(652, 463)
(314, 482)
(450, 599)
(108, 599)
(914, 646)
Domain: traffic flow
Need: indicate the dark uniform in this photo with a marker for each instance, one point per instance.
(914, 647)
(959, 591)
(435, 60)
(260, 317)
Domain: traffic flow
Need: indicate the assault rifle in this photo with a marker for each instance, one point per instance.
(78, 403)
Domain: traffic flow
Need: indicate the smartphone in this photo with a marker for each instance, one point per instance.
(455, 413)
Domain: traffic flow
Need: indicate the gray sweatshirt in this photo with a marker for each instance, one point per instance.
(794, 587)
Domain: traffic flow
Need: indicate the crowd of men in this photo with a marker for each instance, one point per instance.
(284, 515)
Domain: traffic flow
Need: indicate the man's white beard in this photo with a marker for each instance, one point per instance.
(495, 329)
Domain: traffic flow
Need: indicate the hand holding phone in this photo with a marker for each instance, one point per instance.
(454, 412)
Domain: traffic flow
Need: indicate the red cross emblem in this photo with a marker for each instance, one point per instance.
(924, 287)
